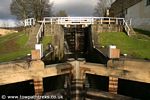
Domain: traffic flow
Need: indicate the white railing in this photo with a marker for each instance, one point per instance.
(29, 22)
(40, 32)
(126, 27)
(119, 21)
(69, 20)
(75, 20)
(129, 21)
(82, 20)
(109, 20)
(88, 21)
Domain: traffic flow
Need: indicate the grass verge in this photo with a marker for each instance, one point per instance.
(133, 46)
(46, 40)
(13, 46)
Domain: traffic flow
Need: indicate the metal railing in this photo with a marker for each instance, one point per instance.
(109, 20)
(77, 21)
(40, 32)
(69, 20)
(29, 22)
(80, 20)
(129, 21)
(126, 27)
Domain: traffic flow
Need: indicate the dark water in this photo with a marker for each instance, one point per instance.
(98, 82)
(53, 83)
(134, 89)
(129, 88)
(94, 56)
(25, 88)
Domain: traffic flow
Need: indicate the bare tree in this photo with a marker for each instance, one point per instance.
(23, 9)
(41, 8)
(101, 7)
(18, 8)
(19, 23)
(5, 24)
(61, 13)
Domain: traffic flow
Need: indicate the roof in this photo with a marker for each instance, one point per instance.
(120, 5)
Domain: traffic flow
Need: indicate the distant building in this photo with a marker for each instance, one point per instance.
(137, 10)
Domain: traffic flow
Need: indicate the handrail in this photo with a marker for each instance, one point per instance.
(79, 20)
(129, 21)
(40, 31)
(127, 28)
(29, 22)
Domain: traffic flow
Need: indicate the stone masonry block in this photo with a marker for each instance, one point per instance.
(114, 53)
(35, 54)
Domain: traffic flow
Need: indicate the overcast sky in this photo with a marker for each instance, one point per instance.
(75, 7)
(4, 10)
(72, 7)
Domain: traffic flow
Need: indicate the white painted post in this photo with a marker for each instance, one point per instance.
(40, 48)
(40, 31)
(109, 20)
(28, 22)
(42, 27)
(116, 21)
(123, 20)
(25, 22)
(34, 21)
(101, 21)
(110, 50)
(31, 21)
(51, 20)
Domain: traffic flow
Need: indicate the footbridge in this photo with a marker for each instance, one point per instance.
(84, 21)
